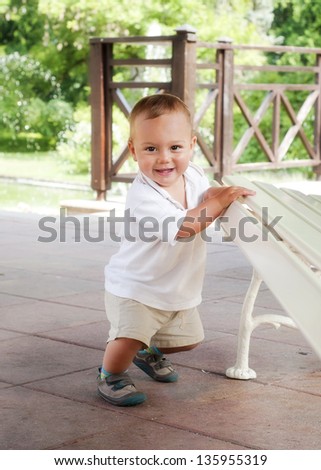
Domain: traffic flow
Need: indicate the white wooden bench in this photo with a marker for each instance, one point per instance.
(279, 231)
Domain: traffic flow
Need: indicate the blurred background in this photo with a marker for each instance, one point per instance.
(45, 129)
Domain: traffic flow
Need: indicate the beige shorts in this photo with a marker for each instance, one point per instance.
(164, 329)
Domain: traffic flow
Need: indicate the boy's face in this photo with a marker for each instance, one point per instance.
(162, 146)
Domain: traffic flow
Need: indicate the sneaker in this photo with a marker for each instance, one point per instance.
(119, 390)
(156, 366)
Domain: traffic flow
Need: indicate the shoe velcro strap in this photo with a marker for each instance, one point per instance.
(121, 379)
(160, 362)
(163, 363)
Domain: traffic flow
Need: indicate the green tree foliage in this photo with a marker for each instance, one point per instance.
(21, 25)
(30, 100)
(57, 32)
(297, 22)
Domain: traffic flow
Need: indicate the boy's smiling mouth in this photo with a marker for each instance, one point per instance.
(164, 171)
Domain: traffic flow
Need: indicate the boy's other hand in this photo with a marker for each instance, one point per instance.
(227, 194)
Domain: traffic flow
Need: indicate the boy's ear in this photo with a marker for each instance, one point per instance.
(132, 148)
(193, 142)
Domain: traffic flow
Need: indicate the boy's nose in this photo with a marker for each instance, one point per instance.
(163, 156)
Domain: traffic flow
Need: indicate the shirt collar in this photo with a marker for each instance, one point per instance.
(146, 180)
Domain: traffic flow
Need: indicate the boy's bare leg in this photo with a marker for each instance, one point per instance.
(119, 354)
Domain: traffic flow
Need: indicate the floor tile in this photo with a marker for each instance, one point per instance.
(30, 358)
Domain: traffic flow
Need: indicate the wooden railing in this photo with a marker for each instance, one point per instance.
(213, 80)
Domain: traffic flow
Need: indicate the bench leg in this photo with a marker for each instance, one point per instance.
(241, 369)
(248, 323)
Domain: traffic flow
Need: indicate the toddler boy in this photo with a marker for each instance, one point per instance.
(154, 282)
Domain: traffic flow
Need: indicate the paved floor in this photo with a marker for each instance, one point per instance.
(52, 336)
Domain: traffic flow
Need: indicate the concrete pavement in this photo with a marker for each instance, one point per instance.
(52, 336)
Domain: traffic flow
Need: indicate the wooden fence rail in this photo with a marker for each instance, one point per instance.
(213, 80)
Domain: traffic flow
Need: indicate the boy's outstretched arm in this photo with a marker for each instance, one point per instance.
(215, 200)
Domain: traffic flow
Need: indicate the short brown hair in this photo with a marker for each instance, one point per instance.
(156, 105)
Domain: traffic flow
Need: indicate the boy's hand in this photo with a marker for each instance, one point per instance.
(227, 194)
(215, 201)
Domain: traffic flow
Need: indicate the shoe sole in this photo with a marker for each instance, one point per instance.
(149, 371)
(129, 401)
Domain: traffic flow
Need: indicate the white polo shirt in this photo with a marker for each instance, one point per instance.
(151, 266)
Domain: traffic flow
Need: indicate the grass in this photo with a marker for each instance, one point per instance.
(38, 165)
(43, 166)
(40, 200)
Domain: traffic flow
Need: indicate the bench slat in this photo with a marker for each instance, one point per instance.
(300, 232)
(317, 198)
(306, 199)
(293, 204)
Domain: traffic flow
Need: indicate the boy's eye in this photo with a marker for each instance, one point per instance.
(176, 147)
(150, 149)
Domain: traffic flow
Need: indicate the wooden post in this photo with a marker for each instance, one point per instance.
(227, 109)
(317, 123)
(101, 117)
(97, 102)
(184, 65)
(218, 119)
(276, 120)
